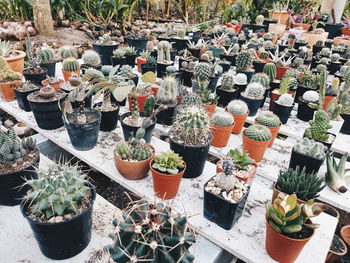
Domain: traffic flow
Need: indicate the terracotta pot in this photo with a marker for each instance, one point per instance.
(304, 26)
(345, 235)
(239, 121)
(7, 92)
(221, 135)
(249, 179)
(210, 109)
(166, 186)
(281, 71)
(327, 100)
(133, 170)
(155, 91)
(16, 63)
(140, 100)
(255, 149)
(282, 16)
(345, 31)
(139, 62)
(333, 256)
(68, 74)
(55, 86)
(274, 131)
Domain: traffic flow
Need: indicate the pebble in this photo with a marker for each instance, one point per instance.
(58, 219)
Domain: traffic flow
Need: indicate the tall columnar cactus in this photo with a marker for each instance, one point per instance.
(268, 119)
(319, 127)
(47, 54)
(310, 148)
(227, 81)
(6, 74)
(254, 90)
(237, 107)
(222, 119)
(168, 91)
(202, 71)
(323, 86)
(271, 70)
(59, 190)
(151, 232)
(163, 51)
(149, 106)
(13, 149)
(91, 58)
(258, 132)
(261, 78)
(244, 60)
(70, 64)
(67, 52)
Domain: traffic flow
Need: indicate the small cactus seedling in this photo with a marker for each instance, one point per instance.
(310, 148)
(222, 119)
(319, 127)
(168, 163)
(105, 39)
(258, 133)
(237, 107)
(91, 58)
(268, 119)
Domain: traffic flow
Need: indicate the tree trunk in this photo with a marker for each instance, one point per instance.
(42, 17)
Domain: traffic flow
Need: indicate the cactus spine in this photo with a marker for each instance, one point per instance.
(261, 78)
(244, 60)
(168, 91)
(254, 90)
(67, 52)
(228, 81)
(319, 127)
(202, 71)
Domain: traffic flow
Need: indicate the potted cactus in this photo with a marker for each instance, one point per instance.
(221, 127)
(225, 196)
(194, 48)
(163, 58)
(335, 175)
(334, 64)
(118, 57)
(67, 52)
(309, 154)
(270, 121)
(190, 137)
(201, 73)
(91, 59)
(253, 96)
(61, 227)
(44, 104)
(286, 236)
(263, 79)
(209, 100)
(260, 60)
(8, 80)
(226, 91)
(167, 96)
(239, 110)
(305, 106)
(230, 53)
(14, 58)
(22, 91)
(244, 62)
(104, 46)
(48, 61)
(256, 139)
(17, 161)
(142, 59)
(70, 66)
(241, 82)
(175, 242)
(138, 40)
(130, 56)
(150, 65)
(286, 83)
(167, 170)
(187, 70)
(283, 107)
(126, 72)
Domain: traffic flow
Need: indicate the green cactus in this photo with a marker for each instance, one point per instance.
(227, 41)
(47, 54)
(171, 69)
(91, 58)
(319, 43)
(192, 99)
(297, 62)
(258, 132)
(310, 148)
(285, 84)
(207, 97)
(254, 90)
(47, 92)
(202, 71)
(119, 53)
(259, 20)
(67, 52)
(264, 54)
(268, 119)
(227, 81)
(135, 149)
(222, 119)
(168, 91)
(168, 162)
(149, 106)
(142, 152)
(335, 175)
(70, 64)
(126, 71)
(123, 150)
(237, 107)
(6, 74)
(130, 51)
(285, 100)
(240, 159)
(244, 60)
(319, 127)
(105, 39)
(261, 78)
(271, 70)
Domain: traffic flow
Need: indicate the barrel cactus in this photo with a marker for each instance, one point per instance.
(237, 107)
(181, 33)
(168, 91)
(261, 78)
(202, 71)
(47, 54)
(271, 70)
(171, 69)
(254, 90)
(91, 58)
(244, 60)
(335, 58)
(319, 127)
(70, 64)
(228, 81)
(258, 132)
(311, 96)
(67, 52)
(241, 79)
(192, 99)
(268, 119)
(310, 148)
(285, 100)
(222, 119)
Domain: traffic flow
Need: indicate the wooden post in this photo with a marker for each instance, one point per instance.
(42, 17)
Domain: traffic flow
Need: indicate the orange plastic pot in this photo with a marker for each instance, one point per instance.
(16, 63)
(281, 71)
(345, 235)
(210, 109)
(334, 256)
(140, 100)
(248, 179)
(68, 74)
(133, 170)
(275, 94)
(155, 91)
(345, 31)
(7, 92)
(221, 135)
(239, 121)
(274, 131)
(139, 62)
(255, 149)
(281, 248)
(55, 86)
(327, 100)
(166, 186)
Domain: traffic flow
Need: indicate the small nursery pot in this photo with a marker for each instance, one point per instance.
(7, 92)
(50, 67)
(118, 61)
(240, 88)
(253, 104)
(345, 235)
(35, 78)
(130, 60)
(231, 58)
(133, 170)
(65, 239)
(161, 68)
(139, 62)
(166, 186)
(275, 94)
(56, 86)
(145, 69)
(221, 135)
(311, 164)
(138, 44)
(166, 117)
(334, 67)
(249, 179)
(222, 212)
(225, 96)
(210, 109)
(345, 129)
(12, 189)
(21, 97)
(274, 131)
(283, 112)
(334, 256)
(300, 91)
(281, 71)
(68, 74)
(305, 113)
(186, 77)
(239, 121)
(194, 156)
(129, 130)
(83, 136)
(328, 145)
(105, 52)
(255, 149)
(259, 66)
(140, 100)
(282, 248)
(109, 119)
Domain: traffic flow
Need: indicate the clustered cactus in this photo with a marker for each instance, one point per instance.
(254, 90)
(139, 152)
(268, 119)
(227, 81)
(91, 58)
(47, 54)
(237, 107)
(310, 148)
(67, 52)
(258, 132)
(167, 93)
(70, 64)
(119, 53)
(189, 66)
(169, 163)
(222, 119)
(152, 233)
(244, 60)
(6, 74)
(105, 39)
(319, 127)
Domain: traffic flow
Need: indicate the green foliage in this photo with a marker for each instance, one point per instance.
(268, 119)
(286, 83)
(126, 71)
(168, 163)
(310, 148)
(134, 150)
(258, 133)
(148, 109)
(335, 175)
(309, 80)
(261, 78)
(14, 10)
(237, 107)
(319, 127)
(271, 70)
(222, 119)
(130, 51)
(241, 159)
(70, 64)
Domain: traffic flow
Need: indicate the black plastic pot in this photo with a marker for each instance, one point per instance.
(242, 41)
(249, 74)
(167, 116)
(36, 78)
(145, 69)
(275, 84)
(65, 239)
(282, 47)
(305, 113)
(105, 52)
(267, 93)
(84, 67)
(135, 79)
(194, 157)
(333, 67)
(76, 104)
(222, 212)
(270, 21)
(213, 81)
(316, 50)
(334, 30)
(138, 44)
(225, 66)
(283, 112)
(195, 52)
(118, 61)
(186, 77)
(240, 88)
(345, 129)
(50, 67)
(179, 43)
(21, 97)
(129, 130)
(130, 60)
(12, 188)
(311, 165)
(226, 96)
(253, 104)
(109, 119)
(300, 92)
(83, 136)
(328, 145)
(259, 66)
(259, 27)
(161, 68)
(231, 58)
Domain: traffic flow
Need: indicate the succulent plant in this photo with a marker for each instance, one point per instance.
(5, 48)
(241, 79)
(227, 81)
(47, 54)
(297, 62)
(138, 152)
(168, 91)
(325, 52)
(244, 60)
(311, 96)
(126, 71)
(258, 132)
(237, 107)
(105, 39)
(70, 64)
(319, 127)
(264, 54)
(134, 238)
(286, 216)
(222, 119)
(207, 56)
(268, 119)
(271, 70)
(6, 74)
(34, 59)
(343, 70)
(207, 97)
(254, 90)
(192, 99)
(305, 186)
(261, 78)
(335, 175)
(241, 160)
(181, 33)
(130, 51)
(91, 58)
(59, 191)
(171, 69)
(319, 43)
(119, 53)
(169, 163)
(202, 71)
(310, 148)
(163, 51)
(285, 100)
(67, 52)
(309, 80)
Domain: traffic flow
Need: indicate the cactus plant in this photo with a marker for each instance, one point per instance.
(241, 79)
(34, 59)
(207, 97)
(130, 51)
(285, 100)
(171, 69)
(259, 20)
(139, 152)
(244, 60)
(67, 52)
(222, 119)
(258, 132)
(91, 58)
(254, 90)
(192, 99)
(311, 96)
(5, 48)
(319, 127)
(319, 43)
(163, 51)
(105, 39)
(268, 119)
(227, 81)
(271, 70)
(261, 78)
(47, 54)
(119, 53)
(237, 107)
(126, 71)
(70, 64)
(310, 148)
(6, 74)
(168, 91)
(335, 58)
(202, 71)
(181, 33)
(335, 175)
(169, 163)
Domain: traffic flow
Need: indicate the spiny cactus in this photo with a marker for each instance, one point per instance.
(171, 69)
(311, 96)
(168, 91)
(152, 233)
(271, 70)
(254, 90)
(91, 58)
(207, 97)
(325, 52)
(119, 53)
(105, 39)
(258, 133)
(6, 74)
(261, 78)
(138, 152)
(264, 54)
(268, 119)
(285, 100)
(130, 51)
(244, 60)
(169, 163)
(222, 119)
(67, 52)
(12, 148)
(319, 127)
(310, 148)
(163, 51)
(241, 79)
(59, 190)
(70, 64)
(237, 107)
(202, 71)
(5, 48)
(47, 92)
(227, 41)
(149, 106)
(47, 54)
(227, 81)
(192, 99)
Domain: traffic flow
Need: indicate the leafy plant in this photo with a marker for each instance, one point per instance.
(335, 175)
(168, 162)
(240, 159)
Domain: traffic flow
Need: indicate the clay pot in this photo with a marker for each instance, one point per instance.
(328, 209)
(281, 71)
(16, 63)
(281, 248)
(7, 92)
(210, 109)
(139, 62)
(274, 131)
(166, 186)
(333, 256)
(239, 121)
(345, 31)
(248, 179)
(133, 170)
(327, 100)
(68, 74)
(255, 149)
(345, 235)
(140, 100)
(221, 135)
(55, 86)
